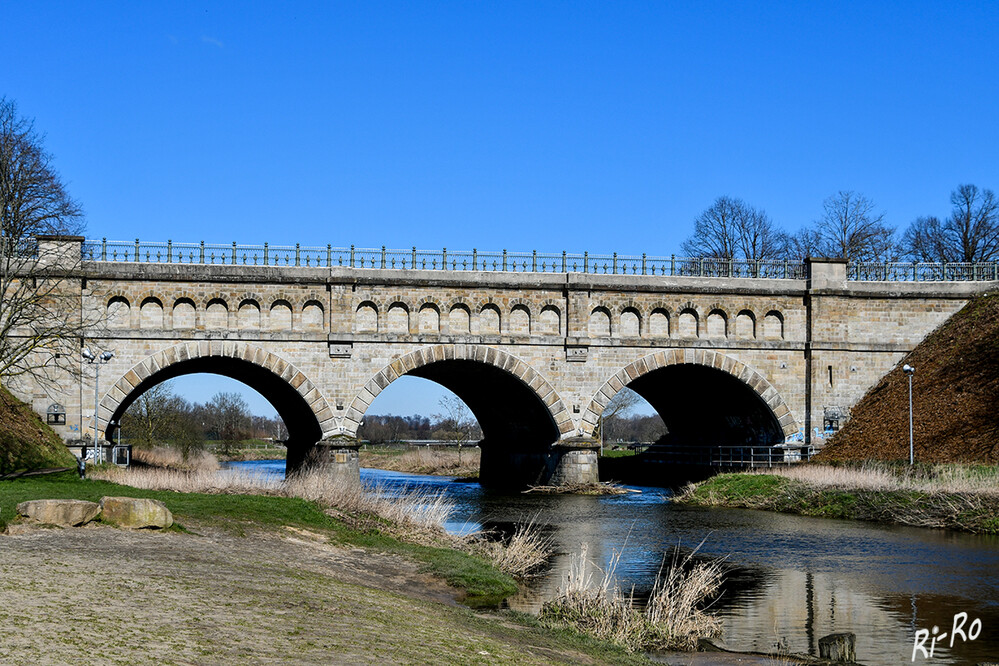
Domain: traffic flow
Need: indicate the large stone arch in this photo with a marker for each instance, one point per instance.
(295, 397)
(411, 364)
(698, 357)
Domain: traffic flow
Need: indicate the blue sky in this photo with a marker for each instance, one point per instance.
(576, 126)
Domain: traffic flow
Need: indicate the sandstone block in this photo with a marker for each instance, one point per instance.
(135, 513)
(59, 511)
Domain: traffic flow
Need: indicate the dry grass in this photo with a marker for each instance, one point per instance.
(598, 488)
(522, 555)
(426, 460)
(884, 477)
(167, 458)
(958, 497)
(672, 619)
(413, 515)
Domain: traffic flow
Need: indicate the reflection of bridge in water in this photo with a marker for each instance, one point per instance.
(536, 345)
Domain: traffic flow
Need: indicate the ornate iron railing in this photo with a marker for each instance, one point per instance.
(437, 260)
(922, 272)
(515, 262)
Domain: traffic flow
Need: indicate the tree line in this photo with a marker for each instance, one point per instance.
(454, 424)
(160, 417)
(851, 227)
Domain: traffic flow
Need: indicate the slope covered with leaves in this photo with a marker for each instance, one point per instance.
(955, 398)
(26, 443)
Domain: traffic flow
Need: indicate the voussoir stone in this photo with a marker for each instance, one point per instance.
(65, 512)
(135, 513)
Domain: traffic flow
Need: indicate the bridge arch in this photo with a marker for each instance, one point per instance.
(723, 371)
(300, 404)
(493, 383)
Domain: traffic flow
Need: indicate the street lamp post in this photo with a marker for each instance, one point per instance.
(909, 370)
(97, 362)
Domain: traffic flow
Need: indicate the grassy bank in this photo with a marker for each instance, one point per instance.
(482, 582)
(423, 460)
(958, 497)
(251, 578)
(26, 442)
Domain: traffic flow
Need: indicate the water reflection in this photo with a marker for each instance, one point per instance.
(793, 579)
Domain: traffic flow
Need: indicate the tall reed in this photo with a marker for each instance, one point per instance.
(673, 617)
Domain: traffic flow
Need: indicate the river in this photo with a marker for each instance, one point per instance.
(793, 579)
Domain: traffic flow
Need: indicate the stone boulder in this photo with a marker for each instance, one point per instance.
(135, 513)
(66, 512)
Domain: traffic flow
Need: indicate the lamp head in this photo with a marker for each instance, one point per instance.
(107, 356)
(908, 369)
(87, 354)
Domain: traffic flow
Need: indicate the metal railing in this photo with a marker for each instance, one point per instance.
(922, 272)
(436, 260)
(514, 262)
(735, 456)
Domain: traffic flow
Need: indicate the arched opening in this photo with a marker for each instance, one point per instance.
(705, 406)
(184, 314)
(119, 312)
(631, 323)
(280, 316)
(303, 427)
(187, 415)
(151, 314)
(398, 318)
(717, 413)
(518, 426)
(508, 411)
(489, 320)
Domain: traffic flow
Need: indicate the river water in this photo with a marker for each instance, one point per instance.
(792, 579)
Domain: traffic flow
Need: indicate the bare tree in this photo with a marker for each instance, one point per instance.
(455, 423)
(969, 234)
(228, 416)
(851, 228)
(155, 415)
(803, 243)
(40, 319)
(619, 406)
(731, 229)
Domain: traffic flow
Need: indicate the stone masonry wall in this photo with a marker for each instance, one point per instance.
(343, 334)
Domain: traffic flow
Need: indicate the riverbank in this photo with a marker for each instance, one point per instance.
(956, 497)
(252, 578)
(435, 461)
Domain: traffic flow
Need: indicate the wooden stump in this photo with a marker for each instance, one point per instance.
(839, 648)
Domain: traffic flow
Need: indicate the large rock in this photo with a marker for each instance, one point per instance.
(135, 513)
(65, 512)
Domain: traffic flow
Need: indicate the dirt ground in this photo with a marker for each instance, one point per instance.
(99, 595)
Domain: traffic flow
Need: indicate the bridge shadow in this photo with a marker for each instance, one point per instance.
(715, 422)
(517, 427)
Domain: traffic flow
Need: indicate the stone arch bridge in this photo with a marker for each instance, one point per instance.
(536, 350)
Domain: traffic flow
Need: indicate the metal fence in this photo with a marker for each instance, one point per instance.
(434, 260)
(922, 272)
(514, 262)
(733, 456)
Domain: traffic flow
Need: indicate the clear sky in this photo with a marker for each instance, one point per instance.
(576, 126)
